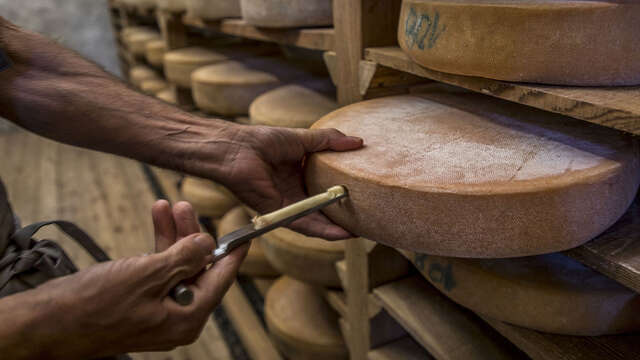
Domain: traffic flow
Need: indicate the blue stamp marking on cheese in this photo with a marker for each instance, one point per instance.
(423, 30)
(5, 63)
(438, 273)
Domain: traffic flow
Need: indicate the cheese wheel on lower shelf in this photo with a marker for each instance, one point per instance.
(214, 9)
(179, 64)
(154, 52)
(229, 88)
(301, 323)
(290, 106)
(565, 42)
(140, 73)
(255, 263)
(137, 41)
(287, 13)
(207, 197)
(550, 293)
(168, 95)
(305, 258)
(467, 175)
(153, 86)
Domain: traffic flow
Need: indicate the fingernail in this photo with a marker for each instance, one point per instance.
(203, 240)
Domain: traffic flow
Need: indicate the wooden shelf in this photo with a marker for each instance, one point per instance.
(618, 108)
(312, 38)
(405, 349)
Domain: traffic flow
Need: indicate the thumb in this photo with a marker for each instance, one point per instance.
(189, 256)
(328, 139)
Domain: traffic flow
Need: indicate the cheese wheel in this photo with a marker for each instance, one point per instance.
(244, 120)
(168, 95)
(301, 323)
(136, 41)
(228, 88)
(207, 197)
(565, 42)
(467, 175)
(153, 86)
(139, 73)
(287, 13)
(172, 5)
(179, 64)
(290, 106)
(214, 9)
(294, 254)
(128, 30)
(154, 52)
(550, 293)
(255, 263)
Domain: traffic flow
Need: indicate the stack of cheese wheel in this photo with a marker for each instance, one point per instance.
(172, 5)
(213, 9)
(255, 264)
(154, 52)
(153, 86)
(229, 88)
(466, 175)
(168, 95)
(290, 106)
(293, 254)
(140, 73)
(287, 13)
(550, 293)
(300, 321)
(136, 40)
(207, 198)
(568, 42)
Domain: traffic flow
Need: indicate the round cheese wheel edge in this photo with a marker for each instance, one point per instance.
(470, 176)
(154, 52)
(179, 64)
(287, 13)
(214, 9)
(207, 197)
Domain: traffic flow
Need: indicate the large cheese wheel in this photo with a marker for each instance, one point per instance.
(207, 197)
(179, 64)
(567, 42)
(300, 321)
(294, 255)
(153, 86)
(214, 9)
(228, 88)
(471, 176)
(172, 5)
(290, 106)
(139, 73)
(168, 95)
(137, 41)
(255, 263)
(154, 52)
(550, 293)
(128, 30)
(287, 13)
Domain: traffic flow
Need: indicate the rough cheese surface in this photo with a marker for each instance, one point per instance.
(550, 293)
(471, 176)
(564, 42)
(287, 13)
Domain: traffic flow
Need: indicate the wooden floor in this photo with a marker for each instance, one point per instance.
(107, 196)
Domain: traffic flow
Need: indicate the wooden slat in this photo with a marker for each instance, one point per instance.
(445, 329)
(618, 108)
(312, 38)
(405, 349)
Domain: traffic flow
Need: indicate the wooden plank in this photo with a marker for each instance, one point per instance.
(358, 339)
(445, 329)
(312, 38)
(618, 108)
(248, 325)
(405, 348)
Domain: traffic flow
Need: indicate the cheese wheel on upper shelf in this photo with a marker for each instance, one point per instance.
(255, 263)
(168, 95)
(136, 41)
(153, 86)
(467, 175)
(564, 42)
(179, 64)
(287, 13)
(207, 197)
(154, 52)
(293, 254)
(550, 293)
(290, 106)
(139, 73)
(302, 324)
(172, 5)
(213, 9)
(229, 88)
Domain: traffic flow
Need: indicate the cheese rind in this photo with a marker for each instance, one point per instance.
(153, 86)
(207, 197)
(300, 321)
(470, 176)
(568, 42)
(136, 41)
(168, 95)
(550, 293)
(154, 52)
(179, 64)
(139, 73)
(214, 9)
(172, 5)
(290, 106)
(287, 13)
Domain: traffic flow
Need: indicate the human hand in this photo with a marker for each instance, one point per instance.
(122, 306)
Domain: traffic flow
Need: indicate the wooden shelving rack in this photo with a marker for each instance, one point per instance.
(364, 60)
